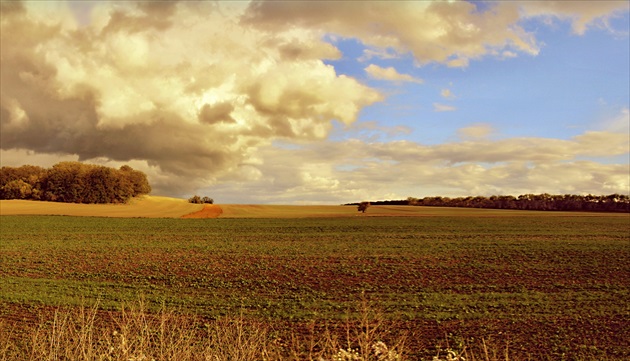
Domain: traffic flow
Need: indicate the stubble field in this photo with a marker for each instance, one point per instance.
(544, 285)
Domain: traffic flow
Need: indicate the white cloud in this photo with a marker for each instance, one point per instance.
(389, 74)
(452, 33)
(437, 107)
(458, 62)
(353, 170)
(619, 124)
(475, 131)
(581, 14)
(446, 93)
(370, 53)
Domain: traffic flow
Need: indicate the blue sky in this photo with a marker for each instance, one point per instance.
(574, 82)
(324, 102)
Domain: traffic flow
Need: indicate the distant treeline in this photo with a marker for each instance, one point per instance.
(541, 202)
(73, 182)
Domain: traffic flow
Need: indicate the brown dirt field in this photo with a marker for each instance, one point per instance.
(208, 211)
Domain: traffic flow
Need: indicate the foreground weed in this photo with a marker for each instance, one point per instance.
(380, 352)
(237, 340)
(364, 342)
(450, 356)
(135, 334)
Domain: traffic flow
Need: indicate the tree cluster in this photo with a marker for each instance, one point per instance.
(541, 202)
(73, 182)
(200, 200)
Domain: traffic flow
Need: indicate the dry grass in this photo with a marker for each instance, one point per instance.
(146, 207)
(135, 334)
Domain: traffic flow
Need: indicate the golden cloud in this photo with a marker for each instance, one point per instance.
(438, 107)
(581, 14)
(182, 85)
(444, 32)
(356, 169)
(475, 131)
(389, 74)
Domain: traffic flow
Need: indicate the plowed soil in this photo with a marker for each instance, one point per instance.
(208, 211)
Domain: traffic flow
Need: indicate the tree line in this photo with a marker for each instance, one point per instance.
(73, 182)
(542, 202)
(200, 200)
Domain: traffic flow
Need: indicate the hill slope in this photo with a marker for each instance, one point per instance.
(165, 207)
(145, 207)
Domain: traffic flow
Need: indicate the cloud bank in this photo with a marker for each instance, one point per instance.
(358, 169)
(194, 98)
(199, 94)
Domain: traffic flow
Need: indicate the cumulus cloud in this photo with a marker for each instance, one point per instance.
(445, 32)
(389, 74)
(448, 32)
(181, 85)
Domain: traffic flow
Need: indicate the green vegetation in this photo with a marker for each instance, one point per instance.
(540, 202)
(546, 287)
(73, 182)
(200, 200)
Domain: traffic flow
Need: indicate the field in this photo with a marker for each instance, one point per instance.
(166, 207)
(543, 285)
(146, 207)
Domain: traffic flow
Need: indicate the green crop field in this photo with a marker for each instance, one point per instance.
(552, 286)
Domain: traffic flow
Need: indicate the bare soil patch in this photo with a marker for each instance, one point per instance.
(208, 211)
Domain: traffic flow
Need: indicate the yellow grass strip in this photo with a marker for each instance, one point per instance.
(145, 207)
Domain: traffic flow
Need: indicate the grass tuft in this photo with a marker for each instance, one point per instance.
(136, 334)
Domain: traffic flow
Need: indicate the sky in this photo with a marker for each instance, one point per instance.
(323, 102)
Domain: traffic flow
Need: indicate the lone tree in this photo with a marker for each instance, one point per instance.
(363, 206)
